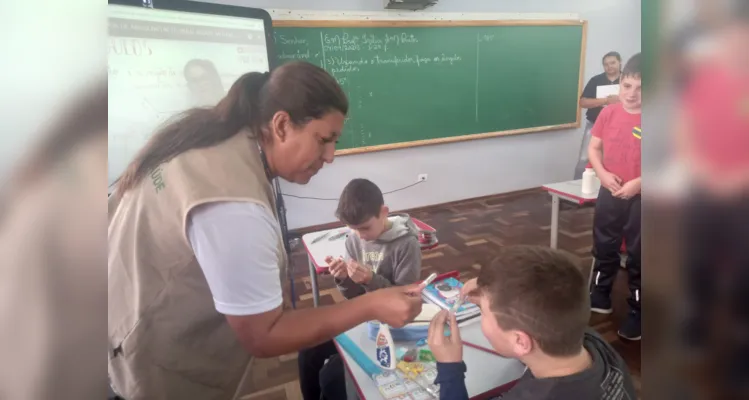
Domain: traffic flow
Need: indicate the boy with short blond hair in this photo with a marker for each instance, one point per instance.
(534, 308)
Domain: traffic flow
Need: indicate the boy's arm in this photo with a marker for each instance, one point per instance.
(448, 351)
(595, 146)
(348, 288)
(452, 380)
(595, 153)
(406, 270)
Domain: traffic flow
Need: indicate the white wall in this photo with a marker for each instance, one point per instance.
(472, 168)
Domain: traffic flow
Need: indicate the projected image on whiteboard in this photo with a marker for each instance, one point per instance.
(163, 62)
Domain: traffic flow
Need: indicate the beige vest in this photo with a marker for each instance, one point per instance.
(166, 339)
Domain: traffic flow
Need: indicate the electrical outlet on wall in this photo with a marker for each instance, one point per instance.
(422, 178)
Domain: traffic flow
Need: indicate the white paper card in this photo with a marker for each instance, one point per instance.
(386, 378)
(606, 91)
(392, 390)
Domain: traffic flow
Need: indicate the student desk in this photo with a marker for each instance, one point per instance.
(571, 191)
(317, 250)
(488, 375)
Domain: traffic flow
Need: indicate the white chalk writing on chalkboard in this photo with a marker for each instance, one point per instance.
(346, 62)
(478, 49)
(418, 60)
(371, 42)
(290, 40)
(338, 70)
(299, 55)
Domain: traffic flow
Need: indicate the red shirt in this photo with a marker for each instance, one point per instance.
(717, 104)
(620, 132)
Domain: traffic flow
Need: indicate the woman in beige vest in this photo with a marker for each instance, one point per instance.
(196, 250)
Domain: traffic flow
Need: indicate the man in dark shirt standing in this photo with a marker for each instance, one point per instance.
(534, 308)
(612, 63)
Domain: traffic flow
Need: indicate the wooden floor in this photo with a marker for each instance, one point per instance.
(470, 232)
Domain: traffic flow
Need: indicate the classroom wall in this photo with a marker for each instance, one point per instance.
(472, 168)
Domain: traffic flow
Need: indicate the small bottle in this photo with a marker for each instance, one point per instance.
(385, 348)
(590, 181)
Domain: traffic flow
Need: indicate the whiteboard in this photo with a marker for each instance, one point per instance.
(163, 62)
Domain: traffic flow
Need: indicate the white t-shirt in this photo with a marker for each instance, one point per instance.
(236, 245)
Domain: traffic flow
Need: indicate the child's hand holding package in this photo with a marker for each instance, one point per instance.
(337, 267)
(468, 291)
(446, 349)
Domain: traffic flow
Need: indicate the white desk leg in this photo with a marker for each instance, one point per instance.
(351, 393)
(554, 220)
(313, 280)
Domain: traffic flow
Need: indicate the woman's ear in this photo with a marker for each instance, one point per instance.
(281, 126)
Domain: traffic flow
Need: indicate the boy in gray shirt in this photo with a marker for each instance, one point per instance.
(383, 252)
(380, 252)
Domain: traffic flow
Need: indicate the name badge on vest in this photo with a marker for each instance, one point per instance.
(637, 132)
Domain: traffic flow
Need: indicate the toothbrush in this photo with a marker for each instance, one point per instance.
(428, 280)
(458, 303)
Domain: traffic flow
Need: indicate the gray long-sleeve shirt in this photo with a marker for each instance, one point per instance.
(395, 258)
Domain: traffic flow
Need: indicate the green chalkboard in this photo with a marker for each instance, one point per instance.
(413, 85)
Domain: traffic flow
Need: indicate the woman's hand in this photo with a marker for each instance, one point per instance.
(337, 267)
(446, 349)
(396, 306)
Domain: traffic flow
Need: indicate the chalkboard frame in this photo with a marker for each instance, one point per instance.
(367, 23)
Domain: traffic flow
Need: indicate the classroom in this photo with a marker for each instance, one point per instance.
(374, 199)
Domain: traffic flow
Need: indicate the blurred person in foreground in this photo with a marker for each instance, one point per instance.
(615, 154)
(52, 281)
(712, 134)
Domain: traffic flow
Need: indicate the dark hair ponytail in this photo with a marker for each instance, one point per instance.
(243, 102)
(303, 90)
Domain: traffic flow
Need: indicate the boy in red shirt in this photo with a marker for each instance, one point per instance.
(614, 152)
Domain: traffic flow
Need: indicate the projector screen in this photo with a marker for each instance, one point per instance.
(162, 61)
